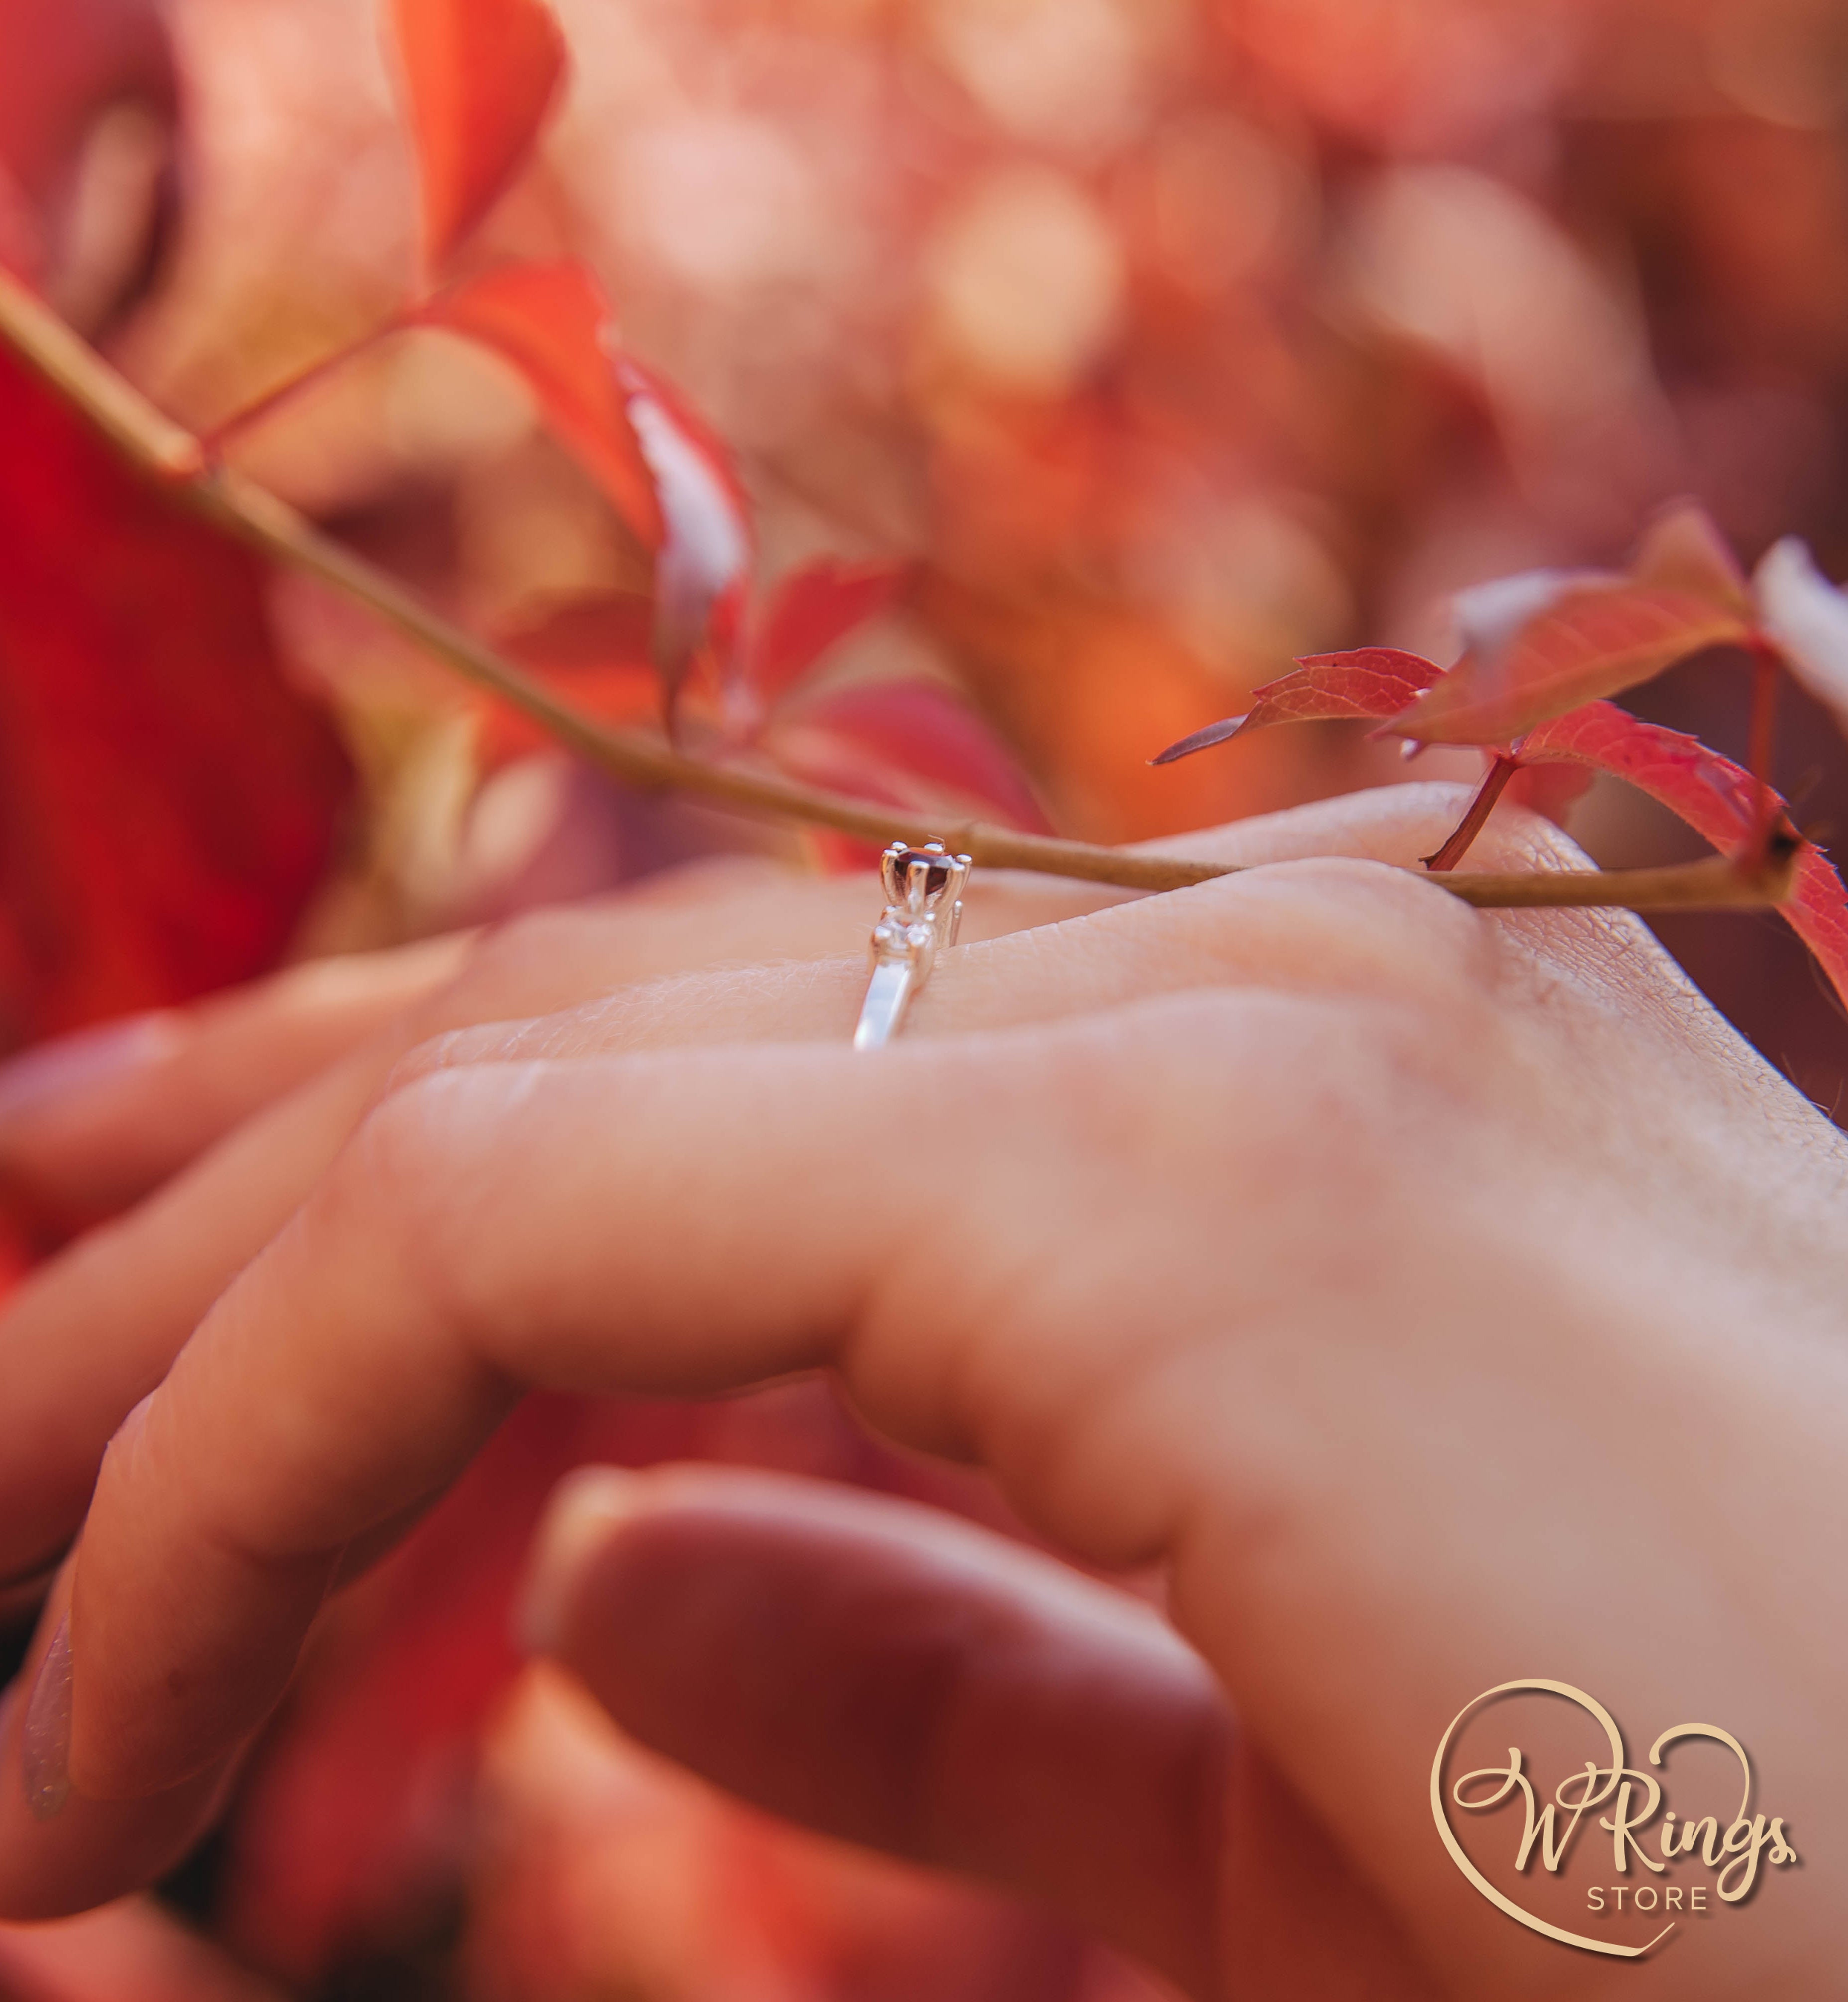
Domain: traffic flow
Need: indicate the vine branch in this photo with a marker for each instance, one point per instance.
(173, 456)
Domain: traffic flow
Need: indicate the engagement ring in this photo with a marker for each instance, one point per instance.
(923, 890)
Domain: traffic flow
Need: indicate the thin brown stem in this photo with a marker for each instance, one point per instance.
(159, 446)
(1494, 785)
(1715, 884)
(212, 442)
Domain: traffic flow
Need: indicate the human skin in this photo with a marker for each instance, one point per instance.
(1435, 1298)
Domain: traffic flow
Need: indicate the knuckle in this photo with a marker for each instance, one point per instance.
(517, 944)
(1412, 926)
(411, 1180)
(1518, 837)
(443, 1051)
(1330, 1091)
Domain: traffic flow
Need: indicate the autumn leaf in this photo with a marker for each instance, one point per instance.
(1370, 682)
(167, 804)
(1806, 619)
(665, 472)
(479, 77)
(1535, 645)
(593, 651)
(909, 744)
(1717, 798)
(704, 561)
(552, 324)
(1682, 550)
(809, 613)
(334, 1831)
(1572, 641)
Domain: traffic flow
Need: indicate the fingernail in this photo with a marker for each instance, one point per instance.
(586, 1507)
(45, 1739)
(32, 1083)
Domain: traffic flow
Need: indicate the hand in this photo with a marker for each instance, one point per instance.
(1378, 1268)
(225, 1115)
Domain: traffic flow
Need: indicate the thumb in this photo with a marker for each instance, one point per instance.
(886, 1674)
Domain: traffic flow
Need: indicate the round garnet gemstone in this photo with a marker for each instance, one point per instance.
(937, 866)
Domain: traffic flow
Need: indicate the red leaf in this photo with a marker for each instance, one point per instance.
(811, 611)
(904, 744)
(553, 324)
(167, 804)
(702, 569)
(1682, 550)
(666, 473)
(1590, 639)
(594, 652)
(1368, 682)
(1806, 617)
(1716, 797)
(480, 76)
(348, 1815)
(600, 630)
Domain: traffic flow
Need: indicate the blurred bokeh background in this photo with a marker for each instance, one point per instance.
(1166, 339)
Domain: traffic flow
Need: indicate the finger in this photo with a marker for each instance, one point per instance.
(91, 1120)
(1327, 929)
(952, 1237)
(94, 1331)
(361, 1359)
(99, 1331)
(88, 1851)
(1323, 926)
(130, 1948)
(1319, 925)
(78, 1404)
(885, 1674)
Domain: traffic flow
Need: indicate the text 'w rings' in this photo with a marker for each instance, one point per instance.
(924, 908)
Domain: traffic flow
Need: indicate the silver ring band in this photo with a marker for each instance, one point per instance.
(924, 910)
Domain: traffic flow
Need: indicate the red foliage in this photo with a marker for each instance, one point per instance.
(1549, 789)
(809, 612)
(673, 481)
(1368, 682)
(1716, 797)
(167, 804)
(666, 474)
(552, 324)
(702, 567)
(354, 1806)
(1684, 551)
(1538, 644)
(365, 1800)
(1589, 639)
(910, 743)
(594, 652)
(479, 76)
(1806, 619)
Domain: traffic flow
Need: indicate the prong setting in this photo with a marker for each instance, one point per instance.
(923, 888)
